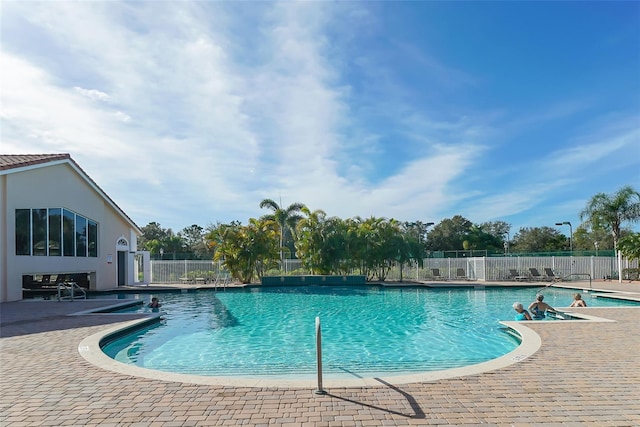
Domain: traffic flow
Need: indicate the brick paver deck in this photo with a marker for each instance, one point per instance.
(584, 374)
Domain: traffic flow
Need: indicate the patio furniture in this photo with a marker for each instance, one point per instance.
(515, 275)
(435, 273)
(549, 275)
(535, 274)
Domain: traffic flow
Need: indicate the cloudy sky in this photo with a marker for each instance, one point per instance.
(193, 112)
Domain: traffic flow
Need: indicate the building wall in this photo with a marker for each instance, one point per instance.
(61, 186)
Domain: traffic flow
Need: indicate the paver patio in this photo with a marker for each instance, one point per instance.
(584, 374)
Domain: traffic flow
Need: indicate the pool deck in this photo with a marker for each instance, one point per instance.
(585, 373)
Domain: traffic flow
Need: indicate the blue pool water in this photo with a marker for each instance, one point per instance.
(366, 331)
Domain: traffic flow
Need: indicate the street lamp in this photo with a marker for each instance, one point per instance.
(161, 253)
(506, 243)
(570, 233)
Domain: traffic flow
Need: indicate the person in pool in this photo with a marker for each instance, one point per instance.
(578, 301)
(521, 313)
(155, 303)
(538, 307)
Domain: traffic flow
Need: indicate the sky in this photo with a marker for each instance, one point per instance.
(194, 112)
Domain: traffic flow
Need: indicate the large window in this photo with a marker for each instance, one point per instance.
(92, 238)
(55, 232)
(23, 231)
(68, 233)
(81, 236)
(39, 233)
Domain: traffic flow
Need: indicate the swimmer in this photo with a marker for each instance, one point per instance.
(521, 313)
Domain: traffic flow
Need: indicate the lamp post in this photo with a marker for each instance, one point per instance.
(161, 253)
(596, 245)
(570, 233)
(506, 243)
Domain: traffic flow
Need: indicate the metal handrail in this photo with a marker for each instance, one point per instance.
(319, 390)
(567, 276)
(70, 287)
(580, 274)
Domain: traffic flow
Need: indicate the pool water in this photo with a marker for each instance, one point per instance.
(366, 331)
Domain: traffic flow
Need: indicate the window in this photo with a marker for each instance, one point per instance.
(55, 231)
(23, 231)
(81, 236)
(39, 231)
(68, 233)
(92, 238)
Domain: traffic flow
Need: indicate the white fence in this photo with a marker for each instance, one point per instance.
(477, 268)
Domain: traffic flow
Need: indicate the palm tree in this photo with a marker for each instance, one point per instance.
(286, 219)
(609, 211)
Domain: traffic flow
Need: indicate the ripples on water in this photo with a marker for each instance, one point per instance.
(366, 330)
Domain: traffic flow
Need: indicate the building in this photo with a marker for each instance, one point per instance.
(57, 225)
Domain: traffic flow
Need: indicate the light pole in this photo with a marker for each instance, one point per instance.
(596, 245)
(506, 243)
(570, 233)
(161, 253)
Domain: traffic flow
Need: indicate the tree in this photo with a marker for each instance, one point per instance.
(496, 228)
(630, 246)
(154, 238)
(194, 242)
(449, 234)
(246, 251)
(539, 239)
(478, 238)
(286, 219)
(584, 239)
(610, 211)
(310, 244)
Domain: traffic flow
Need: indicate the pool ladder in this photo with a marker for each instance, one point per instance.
(67, 290)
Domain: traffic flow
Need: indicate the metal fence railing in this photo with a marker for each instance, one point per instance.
(477, 268)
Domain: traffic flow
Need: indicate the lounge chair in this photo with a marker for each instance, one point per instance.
(435, 273)
(515, 275)
(461, 274)
(535, 274)
(549, 275)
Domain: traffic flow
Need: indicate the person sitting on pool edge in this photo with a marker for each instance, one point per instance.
(155, 303)
(578, 301)
(521, 313)
(538, 308)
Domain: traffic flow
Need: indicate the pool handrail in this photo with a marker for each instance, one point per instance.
(567, 276)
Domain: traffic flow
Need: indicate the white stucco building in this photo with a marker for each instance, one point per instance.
(57, 224)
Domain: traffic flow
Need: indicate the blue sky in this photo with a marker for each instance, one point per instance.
(192, 113)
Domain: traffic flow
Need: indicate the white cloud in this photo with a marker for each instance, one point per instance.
(92, 94)
(193, 112)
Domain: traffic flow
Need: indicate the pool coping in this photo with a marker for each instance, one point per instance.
(90, 349)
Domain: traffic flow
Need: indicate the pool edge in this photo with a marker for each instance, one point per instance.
(90, 349)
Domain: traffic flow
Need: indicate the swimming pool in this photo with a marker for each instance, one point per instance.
(367, 331)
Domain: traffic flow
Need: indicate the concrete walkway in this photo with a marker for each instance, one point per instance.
(585, 373)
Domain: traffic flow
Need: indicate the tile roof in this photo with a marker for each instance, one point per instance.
(11, 161)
